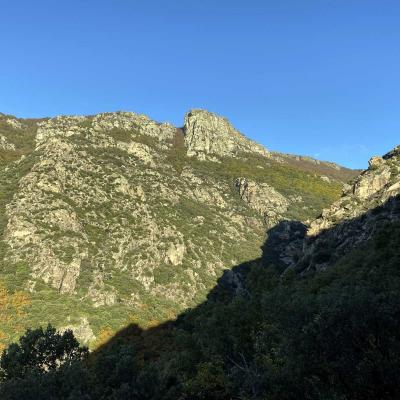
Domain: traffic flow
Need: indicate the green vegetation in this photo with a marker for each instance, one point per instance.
(127, 213)
(286, 179)
(23, 139)
(39, 352)
(334, 335)
(101, 236)
(121, 135)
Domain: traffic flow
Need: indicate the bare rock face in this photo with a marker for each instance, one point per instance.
(209, 134)
(264, 199)
(175, 253)
(371, 182)
(372, 199)
(5, 144)
(14, 123)
(130, 121)
(285, 243)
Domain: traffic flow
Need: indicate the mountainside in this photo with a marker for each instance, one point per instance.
(316, 316)
(115, 218)
(321, 323)
(368, 201)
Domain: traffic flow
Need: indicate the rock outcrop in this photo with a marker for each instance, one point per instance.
(5, 144)
(132, 123)
(370, 201)
(82, 331)
(263, 198)
(208, 134)
(14, 123)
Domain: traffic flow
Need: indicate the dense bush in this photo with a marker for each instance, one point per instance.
(39, 351)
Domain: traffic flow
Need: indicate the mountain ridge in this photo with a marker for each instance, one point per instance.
(216, 274)
(118, 212)
(273, 153)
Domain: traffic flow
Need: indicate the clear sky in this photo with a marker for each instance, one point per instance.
(315, 77)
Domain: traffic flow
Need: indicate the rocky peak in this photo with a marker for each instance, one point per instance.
(206, 135)
(209, 134)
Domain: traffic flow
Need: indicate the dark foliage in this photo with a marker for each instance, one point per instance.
(40, 351)
(331, 336)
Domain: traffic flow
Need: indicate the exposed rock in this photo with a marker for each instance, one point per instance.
(175, 253)
(264, 199)
(295, 199)
(207, 133)
(59, 224)
(375, 162)
(13, 122)
(133, 122)
(371, 182)
(325, 178)
(285, 243)
(371, 200)
(5, 144)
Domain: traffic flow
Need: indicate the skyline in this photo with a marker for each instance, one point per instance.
(315, 156)
(318, 78)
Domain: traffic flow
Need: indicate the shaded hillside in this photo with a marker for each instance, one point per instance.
(260, 334)
(115, 218)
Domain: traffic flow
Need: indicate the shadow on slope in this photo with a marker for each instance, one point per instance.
(264, 333)
(283, 251)
(261, 334)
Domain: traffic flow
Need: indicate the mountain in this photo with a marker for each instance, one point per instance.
(115, 218)
(368, 201)
(315, 316)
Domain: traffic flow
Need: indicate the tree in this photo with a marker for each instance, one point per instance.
(40, 351)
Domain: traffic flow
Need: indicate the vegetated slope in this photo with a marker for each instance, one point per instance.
(368, 202)
(115, 218)
(327, 331)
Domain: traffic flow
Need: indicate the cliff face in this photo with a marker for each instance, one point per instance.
(264, 199)
(208, 134)
(114, 217)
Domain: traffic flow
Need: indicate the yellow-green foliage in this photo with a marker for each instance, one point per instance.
(13, 307)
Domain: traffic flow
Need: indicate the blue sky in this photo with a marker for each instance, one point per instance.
(315, 77)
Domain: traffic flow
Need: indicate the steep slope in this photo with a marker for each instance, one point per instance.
(115, 218)
(366, 204)
(334, 334)
(330, 331)
(17, 139)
